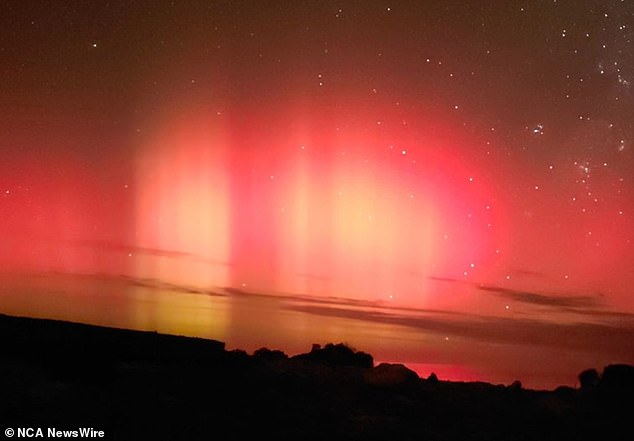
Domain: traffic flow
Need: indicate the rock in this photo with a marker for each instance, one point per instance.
(387, 374)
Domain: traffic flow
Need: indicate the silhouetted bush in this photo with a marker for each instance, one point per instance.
(239, 355)
(433, 378)
(589, 379)
(618, 377)
(566, 392)
(516, 385)
(338, 355)
(270, 355)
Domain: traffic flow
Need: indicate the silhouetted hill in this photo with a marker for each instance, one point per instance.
(144, 385)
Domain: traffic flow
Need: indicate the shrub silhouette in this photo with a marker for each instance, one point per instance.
(338, 355)
(618, 377)
(589, 379)
(269, 354)
(516, 385)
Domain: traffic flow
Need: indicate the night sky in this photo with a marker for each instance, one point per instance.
(469, 156)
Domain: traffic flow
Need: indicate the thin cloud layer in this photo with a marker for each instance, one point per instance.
(614, 339)
(543, 299)
(561, 301)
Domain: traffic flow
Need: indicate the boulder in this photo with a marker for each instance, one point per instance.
(387, 374)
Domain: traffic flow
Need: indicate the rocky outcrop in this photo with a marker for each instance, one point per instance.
(387, 374)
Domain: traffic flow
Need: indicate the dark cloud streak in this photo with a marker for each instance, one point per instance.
(615, 339)
(117, 247)
(534, 298)
(543, 299)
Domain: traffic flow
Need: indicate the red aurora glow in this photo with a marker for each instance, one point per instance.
(316, 211)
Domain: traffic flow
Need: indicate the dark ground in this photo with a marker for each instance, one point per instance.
(143, 385)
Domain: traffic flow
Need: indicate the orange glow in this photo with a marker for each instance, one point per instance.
(183, 207)
(342, 215)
